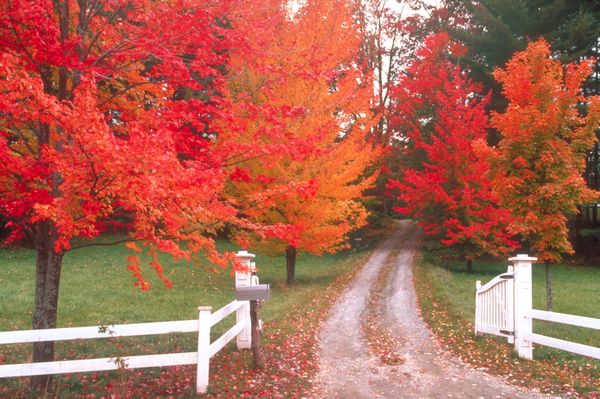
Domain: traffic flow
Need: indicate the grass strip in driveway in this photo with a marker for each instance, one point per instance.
(380, 340)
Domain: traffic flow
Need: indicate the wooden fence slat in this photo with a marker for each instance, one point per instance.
(494, 281)
(93, 332)
(226, 311)
(102, 364)
(580, 321)
(225, 338)
(568, 346)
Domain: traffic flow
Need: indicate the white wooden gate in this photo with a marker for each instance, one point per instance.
(504, 307)
(494, 306)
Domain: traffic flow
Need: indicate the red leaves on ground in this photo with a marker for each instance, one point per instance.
(379, 337)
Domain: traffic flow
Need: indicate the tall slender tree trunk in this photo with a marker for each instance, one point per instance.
(549, 295)
(470, 266)
(48, 264)
(290, 263)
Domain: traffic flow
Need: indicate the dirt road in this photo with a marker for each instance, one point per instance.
(349, 370)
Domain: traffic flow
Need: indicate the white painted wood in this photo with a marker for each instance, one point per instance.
(495, 307)
(103, 364)
(477, 307)
(488, 330)
(523, 300)
(495, 281)
(226, 311)
(510, 306)
(494, 313)
(203, 348)
(206, 319)
(579, 321)
(573, 347)
(243, 279)
(108, 331)
(244, 338)
(225, 338)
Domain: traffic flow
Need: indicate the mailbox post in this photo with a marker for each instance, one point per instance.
(255, 294)
(247, 288)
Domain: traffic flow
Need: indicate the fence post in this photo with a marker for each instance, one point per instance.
(244, 278)
(203, 348)
(477, 306)
(523, 304)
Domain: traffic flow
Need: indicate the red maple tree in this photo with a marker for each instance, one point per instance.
(115, 110)
(447, 186)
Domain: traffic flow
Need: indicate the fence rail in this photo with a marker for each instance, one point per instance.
(490, 316)
(579, 321)
(108, 331)
(206, 320)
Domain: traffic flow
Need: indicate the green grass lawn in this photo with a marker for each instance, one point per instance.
(576, 291)
(446, 285)
(97, 289)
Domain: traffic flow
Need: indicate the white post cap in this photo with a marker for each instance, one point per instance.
(244, 255)
(523, 258)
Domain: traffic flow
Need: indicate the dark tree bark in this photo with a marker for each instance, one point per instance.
(470, 266)
(48, 265)
(385, 206)
(290, 263)
(549, 295)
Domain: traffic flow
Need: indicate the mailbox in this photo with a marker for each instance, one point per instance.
(252, 292)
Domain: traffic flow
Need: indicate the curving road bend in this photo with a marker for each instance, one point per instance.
(349, 371)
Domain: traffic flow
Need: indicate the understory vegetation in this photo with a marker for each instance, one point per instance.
(445, 292)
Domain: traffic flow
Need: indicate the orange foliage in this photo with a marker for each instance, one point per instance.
(544, 141)
(306, 70)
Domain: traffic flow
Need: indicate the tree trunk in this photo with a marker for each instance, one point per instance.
(469, 266)
(290, 263)
(255, 345)
(549, 296)
(48, 264)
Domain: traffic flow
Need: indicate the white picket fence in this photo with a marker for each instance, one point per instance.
(206, 320)
(504, 307)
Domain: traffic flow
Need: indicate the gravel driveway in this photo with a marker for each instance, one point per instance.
(349, 370)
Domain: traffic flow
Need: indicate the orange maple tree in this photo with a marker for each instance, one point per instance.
(306, 70)
(546, 131)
